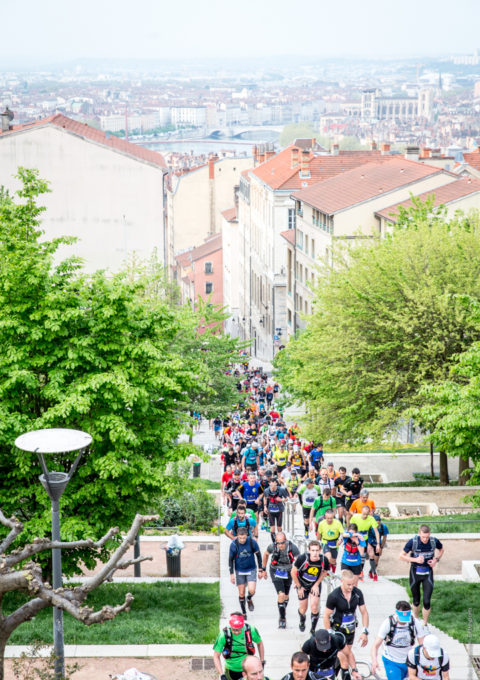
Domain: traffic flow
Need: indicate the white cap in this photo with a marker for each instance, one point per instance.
(431, 644)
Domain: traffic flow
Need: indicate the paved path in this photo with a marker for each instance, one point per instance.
(380, 599)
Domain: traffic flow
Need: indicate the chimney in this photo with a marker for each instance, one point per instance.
(211, 167)
(335, 150)
(305, 164)
(255, 155)
(7, 117)
(295, 157)
(269, 151)
(412, 153)
(385, 149)
(374, 145)
(425, 152)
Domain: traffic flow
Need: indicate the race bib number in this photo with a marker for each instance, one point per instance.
(311, 578)
(348, 620)
(281, 573)
(243, 573)
(273, 508)
(332, 544)
(422, 570)
(324, 673)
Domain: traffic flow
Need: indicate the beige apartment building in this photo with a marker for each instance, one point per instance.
(195, 200)
(105, 191)
(355, 206)
(265, 211)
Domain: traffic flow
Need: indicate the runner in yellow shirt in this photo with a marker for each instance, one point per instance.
(329, 532)
(364, 522)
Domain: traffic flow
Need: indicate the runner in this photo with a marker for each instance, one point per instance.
(398, 632)
(300, 665)
(356, 506)
(352, 489)
(354, 546)
(340, 614)
(239, 521)
(273, 506)
(252, 668)
(231, 489)
(329, 532)
(280, 456)
(308, 571)
(383, 532)
(325, 482)
(283, 554)
(234, 643)
(226, 477)
(326, 652)
(251, 492)
(315, 457)
(428, 661)
(423, 552)
(341, 494)
(320, 506)
(365, 522)
(241, 563)
(308, 492)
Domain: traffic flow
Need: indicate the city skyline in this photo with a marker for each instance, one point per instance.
(55, 32)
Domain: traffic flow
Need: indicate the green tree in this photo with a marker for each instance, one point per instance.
(294, 131)
(101, 354)
(387, 320)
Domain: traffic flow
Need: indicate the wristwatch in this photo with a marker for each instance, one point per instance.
(365, 631)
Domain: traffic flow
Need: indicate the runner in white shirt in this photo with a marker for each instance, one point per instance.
(398, 632)
(428, 661)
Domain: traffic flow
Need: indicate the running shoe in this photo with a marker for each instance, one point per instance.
(250, 604)
(301, 625)
(375, 577)
(370, 575)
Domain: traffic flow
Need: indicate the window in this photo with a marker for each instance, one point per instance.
(208, 268)
(208, 287)
(299, 239)
(306, 244)
(289, 317)
(299, 208)
(291, 218)
(312, 248)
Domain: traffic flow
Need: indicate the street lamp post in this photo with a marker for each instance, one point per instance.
(53, 442)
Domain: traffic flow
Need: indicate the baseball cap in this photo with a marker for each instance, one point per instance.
(237, 472)
(236, 621)
(431, 644)
(269, 473)
(322, 640)
(377, 517)
(309, 480)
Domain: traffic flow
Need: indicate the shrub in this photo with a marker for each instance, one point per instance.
(194, 510)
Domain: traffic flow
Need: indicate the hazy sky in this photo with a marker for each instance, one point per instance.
(61, 29)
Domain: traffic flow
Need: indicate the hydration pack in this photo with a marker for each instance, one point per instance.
(416, 658)
(391, 632)
(249, 646)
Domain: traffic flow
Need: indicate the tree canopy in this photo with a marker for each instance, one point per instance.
(103, 353)
(387, 320)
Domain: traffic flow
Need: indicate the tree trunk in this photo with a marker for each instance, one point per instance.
(3, 643)
(432, 473)
(463, 464)
(444, 469)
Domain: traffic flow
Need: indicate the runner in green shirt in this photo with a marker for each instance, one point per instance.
(234, 643)
(329, 532)
(321, 505)
(364, 523)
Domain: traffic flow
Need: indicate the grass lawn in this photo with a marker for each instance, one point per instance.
(451, 603)
(206, 484)
(162, 613)
(446, 524)
(415, 482)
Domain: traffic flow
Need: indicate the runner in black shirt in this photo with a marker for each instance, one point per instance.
(340, 614)
(325, 652)
(273, 500)
(232, 489)
(340, 493)
(352, 488)
(308, 571)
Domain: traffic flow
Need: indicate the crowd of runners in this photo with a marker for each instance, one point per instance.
(268, 469)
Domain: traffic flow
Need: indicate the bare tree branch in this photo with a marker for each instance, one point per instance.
(24, 613)
(127, 563)
(112, 564)
(40, 544)
(16, 528)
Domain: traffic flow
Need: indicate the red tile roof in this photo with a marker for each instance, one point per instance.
(230, 214)
(92, 134)
(289, 236)
(211, 245)
(365, 182)
(442, 196)
(277, 172)
(473, 158)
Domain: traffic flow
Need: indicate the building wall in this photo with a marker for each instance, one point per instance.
(231, 276)
(111, 202)
(195, 203)
(201, 278)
